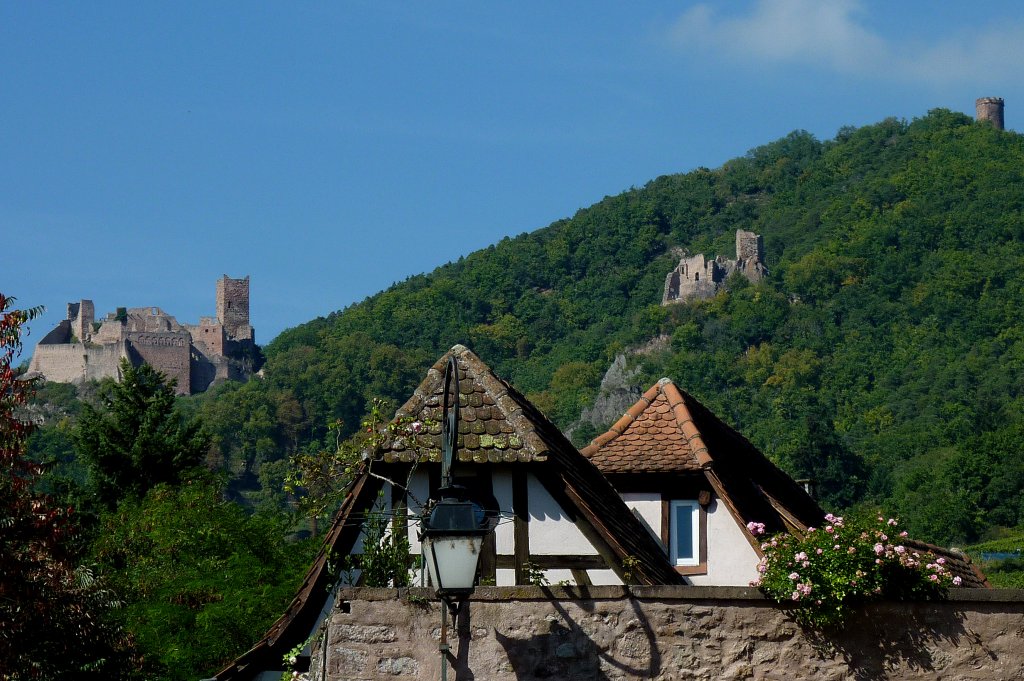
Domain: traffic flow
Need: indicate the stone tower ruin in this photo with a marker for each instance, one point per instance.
(990, 109)
(233, 307)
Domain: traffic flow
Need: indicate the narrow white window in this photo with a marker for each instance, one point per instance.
(685, 532)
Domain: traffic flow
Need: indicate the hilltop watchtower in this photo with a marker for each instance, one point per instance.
(233, 307)
(990, 109)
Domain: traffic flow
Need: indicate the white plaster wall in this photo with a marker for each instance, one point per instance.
(603, 577)
(419, 487)
(648, 506)
(731, 559)
(551, 531)
(555, 576)
(505, 577)
(504, 533)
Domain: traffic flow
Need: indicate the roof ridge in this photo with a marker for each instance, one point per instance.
(684, 419)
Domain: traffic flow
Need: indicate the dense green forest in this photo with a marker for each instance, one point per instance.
(883, 355)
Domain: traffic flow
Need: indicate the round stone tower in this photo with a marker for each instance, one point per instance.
(990, 109)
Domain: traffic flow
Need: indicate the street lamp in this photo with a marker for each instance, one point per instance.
(452, 536)
(452, 530)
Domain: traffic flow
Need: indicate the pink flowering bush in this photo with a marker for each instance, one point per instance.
(833, 569)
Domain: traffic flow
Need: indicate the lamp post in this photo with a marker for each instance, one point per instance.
(453, 528)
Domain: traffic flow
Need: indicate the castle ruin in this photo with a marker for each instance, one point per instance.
(80, 348)
(989, 109)
(699, 277)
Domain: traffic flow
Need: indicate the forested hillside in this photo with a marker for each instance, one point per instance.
(883, 355)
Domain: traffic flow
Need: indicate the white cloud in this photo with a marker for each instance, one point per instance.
(832, 35)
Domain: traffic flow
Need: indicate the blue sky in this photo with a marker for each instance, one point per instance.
(330, 149)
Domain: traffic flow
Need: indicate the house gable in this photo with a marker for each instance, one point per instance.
(559, 515)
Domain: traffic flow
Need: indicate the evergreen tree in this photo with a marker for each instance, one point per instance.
(135, 440)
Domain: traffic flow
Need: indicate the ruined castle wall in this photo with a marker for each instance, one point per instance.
(59, 334)
(151, 320)
(75, 362)
(167, 352)
(82, 314)
(62, 362)
(668, 633)
(749, 246)
(110, 331)
(208, 337)
(104, 361)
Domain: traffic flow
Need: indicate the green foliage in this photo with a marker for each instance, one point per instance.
(385, 560)
(834, 569)
(202, 580)
(134, 440)
(1002, 559)
(885, 340)
(534, 574)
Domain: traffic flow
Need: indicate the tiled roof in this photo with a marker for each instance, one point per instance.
(492, 426)
(656, 435)
(958, 563)
(669, 431)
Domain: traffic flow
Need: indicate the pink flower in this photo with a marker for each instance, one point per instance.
(800, 556)
(901, 550)
(957, 581)
(829, 517)
(940, 561)
(795, 596)
(830, 529)
(934, 578)
(879, 549)
(792, 575)
(755, 529)
(891, 522)
(806, 564)
(818, 551)
(416, 426)
(903, 533)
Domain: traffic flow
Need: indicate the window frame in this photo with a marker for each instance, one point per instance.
(687, 566)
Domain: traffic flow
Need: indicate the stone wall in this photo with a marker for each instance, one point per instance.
(233, 306)
(169, 352)
(666, 633)
(75, 362)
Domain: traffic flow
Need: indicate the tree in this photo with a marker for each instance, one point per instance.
(53, 616)
(202, 579)
(135, 440)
